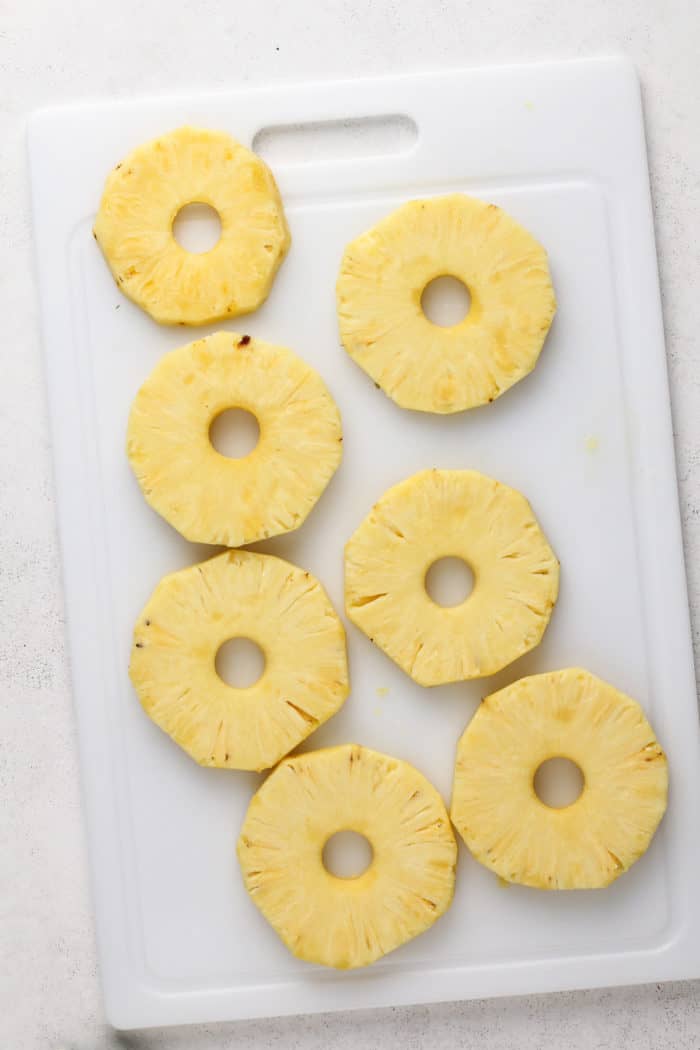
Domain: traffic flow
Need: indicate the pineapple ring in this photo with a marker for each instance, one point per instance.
(568, 714)
(351, 922)
(281, 608)
(206, 496)
(424, 366)
(134, 227)
(439, 514)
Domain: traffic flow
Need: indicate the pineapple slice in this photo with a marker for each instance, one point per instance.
(570, 714)
(451, 513)
(422, 365)
(282, 609)
(336, 921)
(209, 497)
(134, 227)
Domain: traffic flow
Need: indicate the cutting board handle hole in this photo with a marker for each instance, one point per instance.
(325, 140)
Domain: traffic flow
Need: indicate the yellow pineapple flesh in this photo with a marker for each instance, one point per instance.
(134, 227)
(239, 594)
(438, 514)
(209, 497)
(337, 921)
(422, 365)
(568, 714)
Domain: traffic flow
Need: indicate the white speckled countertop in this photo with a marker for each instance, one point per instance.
(62, 50)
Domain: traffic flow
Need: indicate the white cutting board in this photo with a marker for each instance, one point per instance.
(587, 437)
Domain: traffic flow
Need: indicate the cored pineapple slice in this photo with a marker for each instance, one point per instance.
(422, 365)
(336, 921)
(239, 594)
(211, 498)
(567, 714)
(439, 514)
(141, 200)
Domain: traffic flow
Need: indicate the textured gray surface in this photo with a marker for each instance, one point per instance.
(56, 51)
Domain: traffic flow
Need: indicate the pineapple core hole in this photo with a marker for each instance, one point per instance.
(234, 433)
(558, 782)
(197, 228)
(240, 662)
(347, 854)
(445, 301)
(449, 581)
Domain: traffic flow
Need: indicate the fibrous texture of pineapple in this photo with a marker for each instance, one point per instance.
(569, 714)
(134, 227)
(209, 497)
(239, 594)
(337, 921)
(422, 365)
(439, 514)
